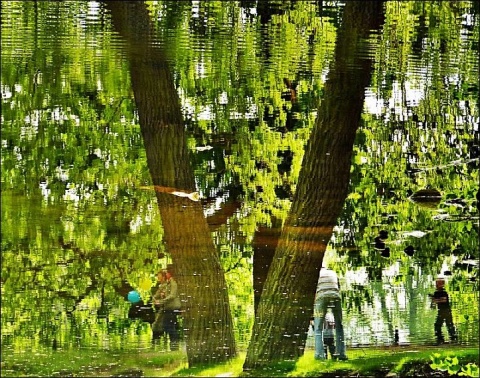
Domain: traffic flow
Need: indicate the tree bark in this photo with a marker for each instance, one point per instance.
(207, 319)
(281, 323)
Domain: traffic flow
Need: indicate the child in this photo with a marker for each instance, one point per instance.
(310, 343)
(444, 314)
(328, 337)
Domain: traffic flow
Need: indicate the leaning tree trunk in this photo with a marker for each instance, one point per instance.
(207, 318)
(279, 331)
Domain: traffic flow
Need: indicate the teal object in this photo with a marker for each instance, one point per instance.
(134, 297)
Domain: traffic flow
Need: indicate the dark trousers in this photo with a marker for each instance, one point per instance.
(329, 344)
(157, 326)
(444, 316)
(170, 326)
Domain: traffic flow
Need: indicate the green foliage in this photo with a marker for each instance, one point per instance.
(470, 370)
(452, 366)
(75, 216)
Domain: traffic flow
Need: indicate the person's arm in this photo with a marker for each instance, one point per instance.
(159, 294)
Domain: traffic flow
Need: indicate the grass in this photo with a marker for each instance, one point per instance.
(372, 361)
(232, 368)
(91, 363)
(362, 362)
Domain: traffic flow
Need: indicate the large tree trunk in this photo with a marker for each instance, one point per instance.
(279, 331)
(207, 318)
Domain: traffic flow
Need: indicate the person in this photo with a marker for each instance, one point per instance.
(157, 326)
(310, 335)
(170, 306)
(329, 336)
(328, 295)
(444, 314)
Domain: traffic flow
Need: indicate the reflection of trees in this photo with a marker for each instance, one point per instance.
(290, 286)
(207, 318)
(412, 303)
(412, 147)
(379, 286)
(264, 243)
(63, 145)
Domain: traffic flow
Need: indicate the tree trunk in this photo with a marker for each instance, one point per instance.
(207, 318)
(280, 327)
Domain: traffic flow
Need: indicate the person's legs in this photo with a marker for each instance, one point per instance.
(175, 335)
(170, 327)
(318, 319)
(450, 326)
(157, 326)
(330, 346)
(339, 332)
(438, 327)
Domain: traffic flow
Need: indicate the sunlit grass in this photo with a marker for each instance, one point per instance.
(232, 368)
(369, 360)
(155, 363)
(92, 363)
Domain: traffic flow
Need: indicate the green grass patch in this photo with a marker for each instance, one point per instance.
(373, 361)
(86, 363)
(232, 368)
(404, 361)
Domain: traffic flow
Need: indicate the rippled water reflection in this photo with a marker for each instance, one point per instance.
(80, 221)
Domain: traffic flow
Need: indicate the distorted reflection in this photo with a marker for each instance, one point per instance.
(236, 146)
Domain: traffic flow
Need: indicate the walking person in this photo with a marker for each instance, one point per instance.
(328, 295)
(171, 305)
(444, 314)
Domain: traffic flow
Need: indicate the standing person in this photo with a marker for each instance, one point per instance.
(159, 294)
(171, 305)
(444, 314)
(328, 295)
(329, 336)
(310, 343)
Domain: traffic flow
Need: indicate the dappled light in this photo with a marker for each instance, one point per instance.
(239, 146)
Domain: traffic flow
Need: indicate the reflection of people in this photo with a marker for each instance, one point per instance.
(310, 335)
(171, 305)
(328, 336)
(444, 314)
(157, 326)
(328, 295)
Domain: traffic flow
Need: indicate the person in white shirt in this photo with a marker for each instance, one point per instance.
(328, 295)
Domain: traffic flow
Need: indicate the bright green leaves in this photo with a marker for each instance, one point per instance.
(452, 366)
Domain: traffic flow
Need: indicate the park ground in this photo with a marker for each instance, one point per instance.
(392, 361)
